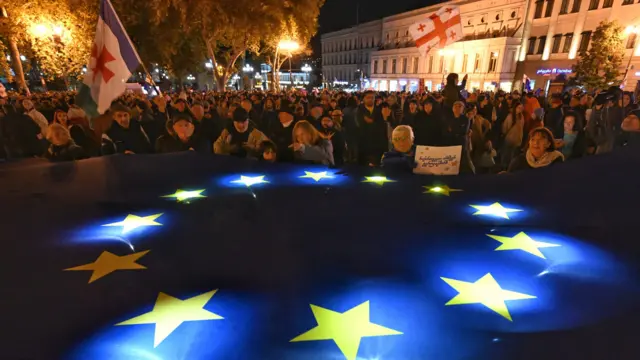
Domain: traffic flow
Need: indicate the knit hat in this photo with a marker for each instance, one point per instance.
(240, 115)
(181, 117)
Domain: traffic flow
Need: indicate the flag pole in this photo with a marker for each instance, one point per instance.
(144, 68)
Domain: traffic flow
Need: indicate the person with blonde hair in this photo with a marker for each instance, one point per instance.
(402, 156)
(309, 146)
(62, 147)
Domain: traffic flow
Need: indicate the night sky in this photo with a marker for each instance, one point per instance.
(340, 14)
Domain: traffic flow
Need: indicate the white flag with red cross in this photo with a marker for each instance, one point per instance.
(438, 30)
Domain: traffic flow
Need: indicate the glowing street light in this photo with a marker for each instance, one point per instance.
(306, 68)
(288, 45)
(247, 68)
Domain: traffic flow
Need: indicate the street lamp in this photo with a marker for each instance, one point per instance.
(629, 30)
(247, 69)
(289, 46)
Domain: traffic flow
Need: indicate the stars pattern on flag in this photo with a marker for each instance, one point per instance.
(107, 263)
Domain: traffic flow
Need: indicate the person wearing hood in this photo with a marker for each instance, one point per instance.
(540, 153)
(125, 136)
(181, 137)
(62, 147)
(452, 90)
(241, 139)
(402, 158)
(427, 127)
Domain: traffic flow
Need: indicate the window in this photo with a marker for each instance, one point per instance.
(415, 64)
(465, 59)
(564, 7)
(394, 62)
(549, 9)
(576, 6)
(593, 5)
(568, 38)
(543, 41)
(384, 66)
(555, 48)
(532, 46)
(538, 13)
(627, 2)
(375, 66)
(631, 41)
(476, 64)
(430, 69)
(404, 65)
(607, 4)
(493, 61)
(584, 41)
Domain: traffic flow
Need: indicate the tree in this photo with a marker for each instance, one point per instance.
(599, 67)
(56, 34)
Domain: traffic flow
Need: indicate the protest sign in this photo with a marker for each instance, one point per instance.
(433, 160)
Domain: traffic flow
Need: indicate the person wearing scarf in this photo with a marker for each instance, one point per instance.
(540, 153)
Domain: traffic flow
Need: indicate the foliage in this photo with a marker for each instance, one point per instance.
(57, 33)
(599, 67)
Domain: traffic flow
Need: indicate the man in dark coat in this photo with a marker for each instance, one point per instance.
(281, 132)
(181, 137)
(554, 118)
(126, 134)
(373, 140)
(427, 128)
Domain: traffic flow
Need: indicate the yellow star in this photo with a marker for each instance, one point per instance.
(444, 190)
(107, 263)
(345, 329)
(132, 222)
(248, 180)
(485, 291)
(316, 176)
(168, 313)
(182, 195)
(380, 180)
(522, 242)
(494, 209)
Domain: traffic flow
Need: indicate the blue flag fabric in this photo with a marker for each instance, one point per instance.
(105, 259)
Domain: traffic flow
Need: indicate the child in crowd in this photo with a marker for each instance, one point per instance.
(269, 151)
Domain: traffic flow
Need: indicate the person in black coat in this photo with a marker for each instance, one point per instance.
(21, 135)
(281, 132)
(126, 135)
(410, 116)
(269, 116)
(553, 119)
(455, 126)
(373, 140)
(62, 147)
(205, 128)
(428, 125)
(181, 137)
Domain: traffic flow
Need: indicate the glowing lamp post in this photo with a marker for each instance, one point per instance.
(248, 69)
(288, 46)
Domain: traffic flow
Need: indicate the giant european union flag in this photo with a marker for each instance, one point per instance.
(188, 256)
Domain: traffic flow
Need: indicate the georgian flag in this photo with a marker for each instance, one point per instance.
(440, 29)
(113, 59)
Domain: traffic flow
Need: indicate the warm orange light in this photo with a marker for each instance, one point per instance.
(288, 45)
(39, 30)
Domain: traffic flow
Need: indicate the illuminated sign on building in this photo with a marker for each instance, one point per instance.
(554, 71)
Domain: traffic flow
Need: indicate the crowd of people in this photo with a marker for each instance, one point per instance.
(497, 131)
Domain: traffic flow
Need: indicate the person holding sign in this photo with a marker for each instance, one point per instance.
(402, 157)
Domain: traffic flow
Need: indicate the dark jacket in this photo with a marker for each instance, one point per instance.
(171, 144)
(604, 128)
(206, 132)
(427, 128)
(451, 93)
(455, 131)
(20, 134)
(553, 120)
(283, 138)
(68, 152)
(372, 141)
(133, 139)
(399, 162)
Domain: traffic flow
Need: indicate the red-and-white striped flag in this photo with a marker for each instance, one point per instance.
(438, 30)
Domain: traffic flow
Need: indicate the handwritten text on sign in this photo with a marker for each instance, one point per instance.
(435, 160)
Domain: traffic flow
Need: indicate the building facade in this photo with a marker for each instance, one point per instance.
(560, 30)
(346, 54)
(504, 40)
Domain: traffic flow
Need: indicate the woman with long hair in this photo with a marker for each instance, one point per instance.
(513, 131)
(309, 145)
